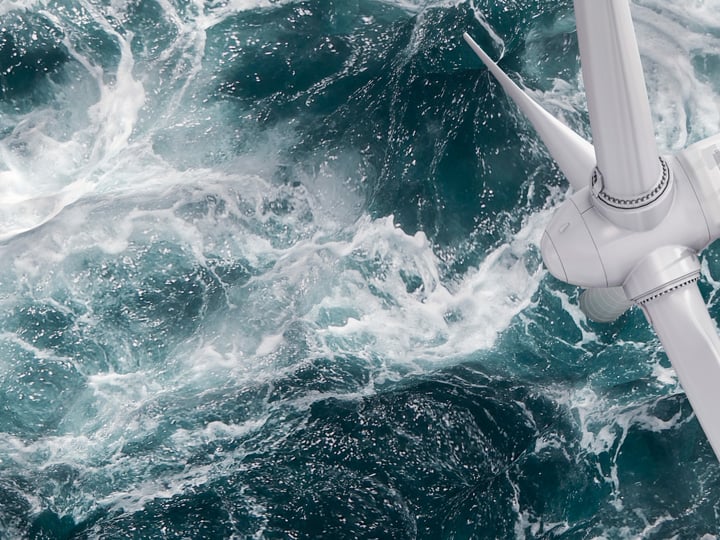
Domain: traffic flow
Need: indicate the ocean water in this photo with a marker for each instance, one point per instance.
(270, 269)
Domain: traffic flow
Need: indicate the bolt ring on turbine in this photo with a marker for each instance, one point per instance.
(598, 190)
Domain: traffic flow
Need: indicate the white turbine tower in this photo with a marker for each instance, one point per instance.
(631, 232)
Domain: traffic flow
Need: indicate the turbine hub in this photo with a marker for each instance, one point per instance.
(583, 246)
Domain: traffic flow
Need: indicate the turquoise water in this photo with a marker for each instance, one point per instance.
(271, 270)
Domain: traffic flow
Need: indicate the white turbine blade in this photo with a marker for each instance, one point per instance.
(701, 162)
(573, 154)
(604, 304)
(620, 118)
(690, 339)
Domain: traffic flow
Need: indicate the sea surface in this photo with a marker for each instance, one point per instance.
(270, 269)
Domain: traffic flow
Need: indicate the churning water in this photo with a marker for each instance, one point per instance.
(270, 269)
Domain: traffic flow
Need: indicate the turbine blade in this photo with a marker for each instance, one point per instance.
(701, 163)
(604, 305)
(689, 337)
(573, 154)
(620, 118)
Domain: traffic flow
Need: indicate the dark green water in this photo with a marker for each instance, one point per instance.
(270, 269)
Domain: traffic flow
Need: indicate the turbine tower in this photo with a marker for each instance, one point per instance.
(632, 230)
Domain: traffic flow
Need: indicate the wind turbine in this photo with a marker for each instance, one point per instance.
(632, 230)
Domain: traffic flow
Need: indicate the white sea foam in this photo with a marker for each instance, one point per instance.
(401, 311)
(430, 320)
(604, 425)
(52, 171)
(482, 19)
(684, 105)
